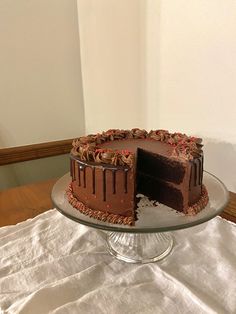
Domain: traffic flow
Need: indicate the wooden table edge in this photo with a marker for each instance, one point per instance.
(24, 202)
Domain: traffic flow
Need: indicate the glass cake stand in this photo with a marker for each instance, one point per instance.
(149, 240)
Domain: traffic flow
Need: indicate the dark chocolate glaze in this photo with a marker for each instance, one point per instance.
(195, 180)
(114, 181)
(202, 158)
(105, 187)
(104, 184)
(93, 180)
(72, 169)
(79, 175)
(190, 177)
(195, 172)
(71, 172)
(125, 180)
(199, 170)
(84, 171)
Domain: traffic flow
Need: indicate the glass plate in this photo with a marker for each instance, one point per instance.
(151, 219)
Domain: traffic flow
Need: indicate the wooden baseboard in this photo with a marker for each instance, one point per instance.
(230, 211)
(35, 151)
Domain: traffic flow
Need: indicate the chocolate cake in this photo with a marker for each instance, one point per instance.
(110, 168)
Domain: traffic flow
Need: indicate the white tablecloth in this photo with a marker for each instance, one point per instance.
(51, 264)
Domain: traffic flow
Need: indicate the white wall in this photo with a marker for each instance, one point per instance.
(163, 64)
(41, 95)
(112, 46)
(197, 92)
(198, 67)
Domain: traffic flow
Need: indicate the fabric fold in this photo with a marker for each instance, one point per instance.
(51, 264)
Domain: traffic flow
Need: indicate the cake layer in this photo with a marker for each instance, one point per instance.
(162, 191)
(161, 167)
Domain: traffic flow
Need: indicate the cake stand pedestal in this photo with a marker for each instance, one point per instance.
(139, 247)
(150, 239)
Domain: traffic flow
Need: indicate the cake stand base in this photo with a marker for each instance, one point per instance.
(139, 247)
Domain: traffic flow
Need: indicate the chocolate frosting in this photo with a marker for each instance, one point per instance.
(119, 219)
(89, 148)
(97, 214)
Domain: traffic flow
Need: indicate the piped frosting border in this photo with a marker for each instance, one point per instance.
(200, 204)
(97, 214)
(87, 148)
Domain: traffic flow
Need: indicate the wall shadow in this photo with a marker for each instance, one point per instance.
(220, 160)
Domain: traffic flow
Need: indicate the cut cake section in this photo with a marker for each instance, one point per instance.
(108, 170)
(163, 179)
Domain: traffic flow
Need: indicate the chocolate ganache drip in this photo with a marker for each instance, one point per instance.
(104, 184)
(93, 181)
(114, 181)
(196, 172)
(126, 180)
(72, 169)
(82, 177)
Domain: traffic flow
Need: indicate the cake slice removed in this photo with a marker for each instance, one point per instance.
(108, 170)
